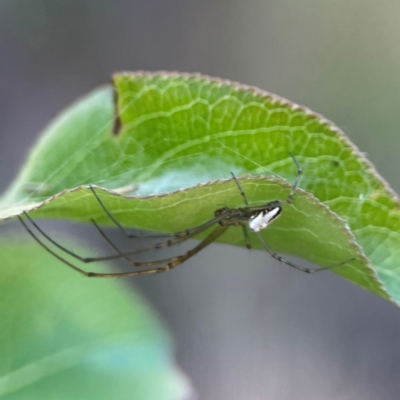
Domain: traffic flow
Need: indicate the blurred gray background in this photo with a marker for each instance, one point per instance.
(245, 327)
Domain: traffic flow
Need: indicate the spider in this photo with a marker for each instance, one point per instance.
(255, 218)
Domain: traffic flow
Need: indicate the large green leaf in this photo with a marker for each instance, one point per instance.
(173, 131)
(64, 337)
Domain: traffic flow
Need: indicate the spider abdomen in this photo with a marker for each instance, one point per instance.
(263, 218)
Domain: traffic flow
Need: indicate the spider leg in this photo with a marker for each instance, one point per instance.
(212, 237)
(170, 242)
(246, 236)
(297, 180)
(292, 192)
(172, 262)
(242, 193)
(191, 231)
(113, 219)
(77, 256)
(276, 256)
(59, 246)
(81, 271)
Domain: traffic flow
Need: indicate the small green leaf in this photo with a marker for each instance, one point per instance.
(174, 131)
(64, 337)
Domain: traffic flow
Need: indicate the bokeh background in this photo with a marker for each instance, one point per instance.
(245, 326)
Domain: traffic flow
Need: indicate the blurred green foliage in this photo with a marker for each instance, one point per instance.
(67, 337)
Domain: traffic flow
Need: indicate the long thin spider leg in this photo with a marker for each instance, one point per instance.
(77, 256)
(192, 232)
(113, 219)
(64, 249)
(186, 232)
(242, 193)
(81, 271)
(246, 236)
(212, 237)
(170, 242)
(108, 240)
(297, 180)
(172, 262)
(293, 265)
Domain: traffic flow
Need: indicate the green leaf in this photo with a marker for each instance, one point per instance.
(65, 337)
(174, 131)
